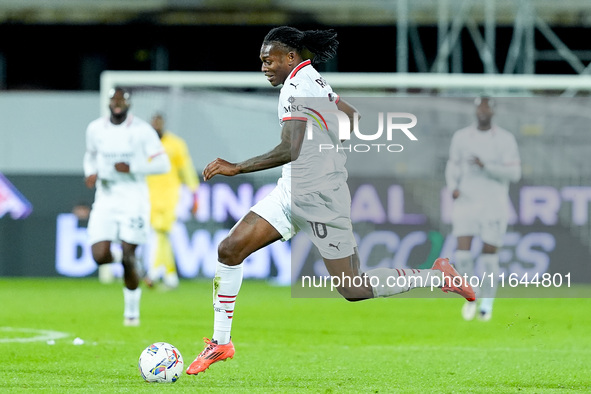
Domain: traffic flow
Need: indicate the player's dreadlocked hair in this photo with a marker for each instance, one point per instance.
(322, 44)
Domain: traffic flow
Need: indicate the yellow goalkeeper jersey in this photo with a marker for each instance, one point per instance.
(165, 188)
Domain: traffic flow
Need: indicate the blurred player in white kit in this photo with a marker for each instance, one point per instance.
(121, 150)
(483, 160)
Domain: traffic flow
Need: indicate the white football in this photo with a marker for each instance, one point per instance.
(161, 362)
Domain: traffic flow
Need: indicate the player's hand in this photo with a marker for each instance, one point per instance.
(476, 160)
(90, 181)
(219, 167)
(195, 206)
(122, 167)
(455, 194)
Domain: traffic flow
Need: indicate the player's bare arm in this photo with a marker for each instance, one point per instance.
(90, 181)
(292, 137)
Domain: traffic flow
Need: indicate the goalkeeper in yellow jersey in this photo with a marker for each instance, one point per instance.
(164, 197)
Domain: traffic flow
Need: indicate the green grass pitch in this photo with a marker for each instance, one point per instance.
(284, 344)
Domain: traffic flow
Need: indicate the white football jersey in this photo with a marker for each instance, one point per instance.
(497, 150)
(314, 169)
(134, 142)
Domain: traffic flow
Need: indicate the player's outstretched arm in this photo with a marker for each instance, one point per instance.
(292, 137)
(219, 167)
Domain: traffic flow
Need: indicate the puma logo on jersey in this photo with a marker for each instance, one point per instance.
(335, 246)
(294, 85)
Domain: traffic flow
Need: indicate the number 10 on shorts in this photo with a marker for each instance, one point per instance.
(319, 229)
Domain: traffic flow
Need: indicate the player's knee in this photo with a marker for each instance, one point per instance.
(101, 253)
(101, 256)
(228, 252)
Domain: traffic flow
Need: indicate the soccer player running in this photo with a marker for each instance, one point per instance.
(483, 160)
(312, 189)
(164, 197)
(121, 150)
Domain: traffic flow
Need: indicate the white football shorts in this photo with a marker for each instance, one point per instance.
(116, 220)
(475, 219)
(325, 217)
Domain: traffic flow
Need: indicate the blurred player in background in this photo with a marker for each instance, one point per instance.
(164, 197)
(483, 160)
(120, 151)
(312, 194)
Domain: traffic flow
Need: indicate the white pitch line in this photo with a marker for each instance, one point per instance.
(42, 335)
